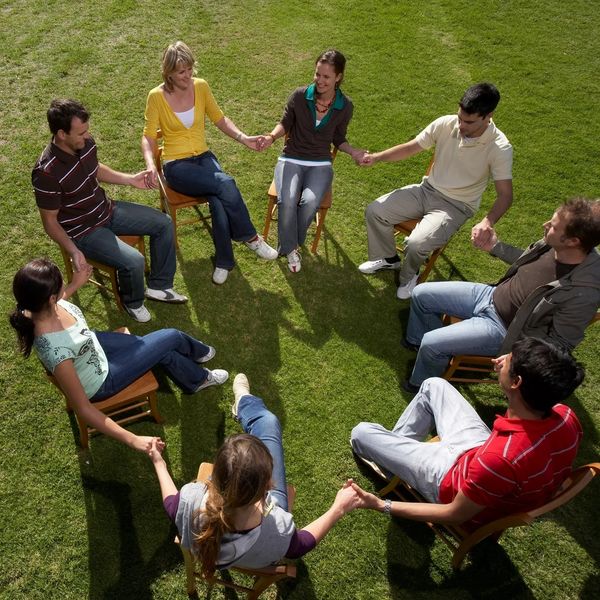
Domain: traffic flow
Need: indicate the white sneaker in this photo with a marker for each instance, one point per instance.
(294, 261)
(215, 377)
(168, 295)
(241, 387)
(207, 357)
(381, 264)
(404, 291)
(220, 275)
(262, 249)
(140, 313)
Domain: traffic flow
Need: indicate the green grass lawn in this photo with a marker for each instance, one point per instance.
(321, 347)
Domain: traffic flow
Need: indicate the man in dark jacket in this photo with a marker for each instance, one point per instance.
(551, 291)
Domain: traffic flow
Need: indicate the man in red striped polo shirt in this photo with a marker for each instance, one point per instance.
(79, 216)
(474, 475)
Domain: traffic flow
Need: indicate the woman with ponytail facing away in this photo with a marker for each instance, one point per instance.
(240, 516)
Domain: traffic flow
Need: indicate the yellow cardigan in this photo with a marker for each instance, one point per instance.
(179, 141)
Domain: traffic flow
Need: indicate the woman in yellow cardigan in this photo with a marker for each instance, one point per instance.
(178, 107)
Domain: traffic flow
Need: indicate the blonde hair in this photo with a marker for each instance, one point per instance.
(175, 56)
(241, 476)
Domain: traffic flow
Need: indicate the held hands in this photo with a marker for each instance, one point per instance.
(367, 159)
(499, 362)
(82, 275)
(483, 235)
(358, 155)
(346, 500)
(148, 445)
(79, 262)
(366, 499)
(145, 180)
(264, 141)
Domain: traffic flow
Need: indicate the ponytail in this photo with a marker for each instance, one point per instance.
(241, 476)
(23, 325)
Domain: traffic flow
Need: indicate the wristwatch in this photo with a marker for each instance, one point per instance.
(387, 507)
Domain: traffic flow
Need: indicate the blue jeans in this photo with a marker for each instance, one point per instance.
(403, 451)
(130, 356)
(300, 190)
(128, 218)
(202, 176)
(257, 420)
(481, 332)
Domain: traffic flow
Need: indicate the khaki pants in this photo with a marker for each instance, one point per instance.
(440, 218)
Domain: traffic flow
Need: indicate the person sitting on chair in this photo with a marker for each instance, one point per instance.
(91, 366)
(468, 150)
(79, 216)
(178, 107)
(473, 475)
(315, 117)
(240, 516)
(552, 291)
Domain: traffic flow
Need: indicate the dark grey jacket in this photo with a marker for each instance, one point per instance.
(559, 310)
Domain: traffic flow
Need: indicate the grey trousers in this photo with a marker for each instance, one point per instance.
(440, 218)
(403, 451)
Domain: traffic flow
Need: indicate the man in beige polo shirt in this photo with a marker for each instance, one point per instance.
(468, 150)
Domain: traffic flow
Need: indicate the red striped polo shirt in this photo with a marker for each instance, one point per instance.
(518, 468)
(67, 183)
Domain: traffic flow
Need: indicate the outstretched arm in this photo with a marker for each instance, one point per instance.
(67, 378)
(79, 278)
(229, 128)
(346, 500)
(394, 154)
(482, 233)
(461, 509)
(149, 150)
(56, 232)
(357, 154)
(137, 180)
(167, 487)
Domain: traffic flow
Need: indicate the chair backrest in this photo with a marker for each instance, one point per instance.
(572, 485)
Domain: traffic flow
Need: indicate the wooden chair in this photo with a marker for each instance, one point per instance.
(263, 578)
(172, 201)
(137, 241)
(404, 230)
(461, 542)
(326, 202)
(135, 402)
(461, 364)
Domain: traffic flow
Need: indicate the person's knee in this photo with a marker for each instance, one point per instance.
(371, 212)
(418, 247)
(358, 436)
(134, 263)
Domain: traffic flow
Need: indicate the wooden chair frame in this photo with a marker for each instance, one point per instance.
(461, 542)
(263, 578)
(135, 402)
(324, 207)
(137, 241)
(471, 363)
(172, 201)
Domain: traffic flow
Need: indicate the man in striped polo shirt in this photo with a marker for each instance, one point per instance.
(473, 475)
(79, 216)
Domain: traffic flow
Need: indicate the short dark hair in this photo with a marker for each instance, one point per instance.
(61, 113)
(583, 221)
(481, 99)
(549, 374)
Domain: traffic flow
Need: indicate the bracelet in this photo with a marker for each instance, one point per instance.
(238, 137)
(387, 508)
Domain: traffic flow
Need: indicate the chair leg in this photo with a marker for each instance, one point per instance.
(174, 219)
(190, 575)
(115, 289)
(321, 214)
(154, 407)
(269, 217)
(261, 584)
(84, 436)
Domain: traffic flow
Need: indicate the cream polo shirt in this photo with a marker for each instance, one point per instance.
(178, 140)
(462, 168)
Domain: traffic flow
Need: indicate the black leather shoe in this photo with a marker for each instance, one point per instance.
(407, 386)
